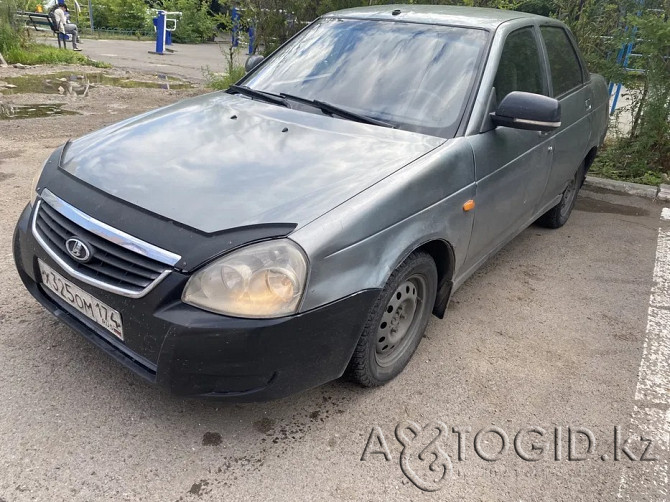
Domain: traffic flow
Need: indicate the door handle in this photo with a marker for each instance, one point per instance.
(587, 103)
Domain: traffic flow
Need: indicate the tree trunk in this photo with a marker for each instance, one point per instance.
(638, 112)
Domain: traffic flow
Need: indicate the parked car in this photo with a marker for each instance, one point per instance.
(308, 221)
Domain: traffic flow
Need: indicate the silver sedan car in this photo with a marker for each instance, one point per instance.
(308, 221)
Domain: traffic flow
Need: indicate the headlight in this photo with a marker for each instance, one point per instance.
(33, 186)
(260, 280)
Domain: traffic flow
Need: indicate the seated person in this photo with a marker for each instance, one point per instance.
(64, 26)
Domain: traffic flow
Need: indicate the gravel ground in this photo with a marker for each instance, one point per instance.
(549, 333)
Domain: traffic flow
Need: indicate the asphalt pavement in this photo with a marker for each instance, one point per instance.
(188, 61)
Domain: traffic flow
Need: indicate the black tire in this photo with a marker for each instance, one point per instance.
(558, 215)
(411, 288)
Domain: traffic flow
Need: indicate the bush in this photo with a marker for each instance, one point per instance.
(626, 159)
(9, 38)
(222, 81)
(643, 154)
(126, 15)
(197, 23)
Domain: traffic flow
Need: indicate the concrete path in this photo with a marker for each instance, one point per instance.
(189, 61)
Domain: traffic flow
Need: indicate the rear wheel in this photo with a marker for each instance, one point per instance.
(396, 322)
(558, 215)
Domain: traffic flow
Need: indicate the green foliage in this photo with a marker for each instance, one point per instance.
(34, 54)
(28, 5)
(17, 48)
(221, 81)
(310, 10)
(496, 4)
(128, 15)
(272, 20)
(643, 154)
(597, 27)
(9, 38)
(197, 23)
(654, 47)
(539, 7)
(626, 159)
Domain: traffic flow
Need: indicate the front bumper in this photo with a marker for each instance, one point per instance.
(193, 352)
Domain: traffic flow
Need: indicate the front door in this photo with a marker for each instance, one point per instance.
(573, 137)
(512, 165)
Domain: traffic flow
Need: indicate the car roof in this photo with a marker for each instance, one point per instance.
(436, 14)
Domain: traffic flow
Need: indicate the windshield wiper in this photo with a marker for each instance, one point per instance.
(339, 111)
(254, 93)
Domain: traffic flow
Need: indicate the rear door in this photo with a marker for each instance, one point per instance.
(569, 85)
(512, 165)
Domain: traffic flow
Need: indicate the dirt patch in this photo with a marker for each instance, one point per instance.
(102, 104)
(10, 154)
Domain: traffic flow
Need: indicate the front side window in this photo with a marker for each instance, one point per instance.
(520, 68)
(566, 72)
(415, 76)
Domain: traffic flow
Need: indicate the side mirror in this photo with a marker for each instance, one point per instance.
(252, 61)
(525, 110)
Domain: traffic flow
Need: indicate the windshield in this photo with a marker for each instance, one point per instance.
(415, 76)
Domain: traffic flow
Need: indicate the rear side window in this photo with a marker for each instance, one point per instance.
(566, 72)
(520, 68)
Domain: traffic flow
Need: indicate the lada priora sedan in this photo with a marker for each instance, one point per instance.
(308, 221)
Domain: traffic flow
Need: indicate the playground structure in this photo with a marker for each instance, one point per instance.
(623, 58)
(165, 23)
(625, 53)
(236, 16)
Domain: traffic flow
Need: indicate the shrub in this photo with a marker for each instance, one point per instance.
(197, 23)
(221, 81)
(643, 154)
(9, 38)
(126, 15)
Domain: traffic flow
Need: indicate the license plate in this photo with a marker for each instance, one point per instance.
(88, 305)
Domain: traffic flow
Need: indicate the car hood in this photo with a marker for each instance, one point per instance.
(223, 161)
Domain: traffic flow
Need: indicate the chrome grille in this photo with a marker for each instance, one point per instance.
(112, 266)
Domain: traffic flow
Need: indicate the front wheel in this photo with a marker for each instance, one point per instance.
(396, 322)
(558, 215)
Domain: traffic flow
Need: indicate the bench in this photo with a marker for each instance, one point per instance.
(41, 21)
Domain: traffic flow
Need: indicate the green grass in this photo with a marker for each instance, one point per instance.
(9, 39)
(16, 47)
(221, 81)
(626, 160)
(34, 54)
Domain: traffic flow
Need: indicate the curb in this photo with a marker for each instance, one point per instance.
(661, 192)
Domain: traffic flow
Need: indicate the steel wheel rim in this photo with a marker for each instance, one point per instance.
(568, 197)
(400, 320)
